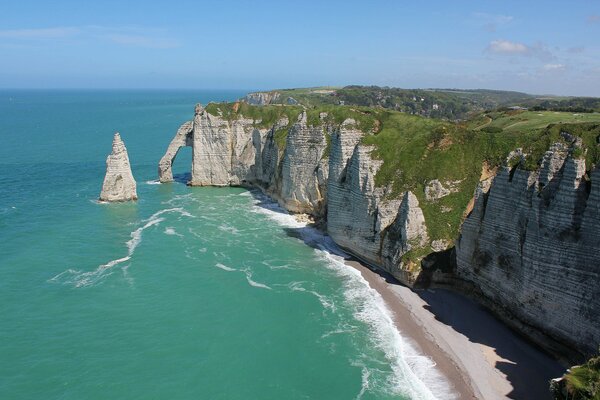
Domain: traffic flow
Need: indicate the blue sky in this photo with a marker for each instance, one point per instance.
(533, 46)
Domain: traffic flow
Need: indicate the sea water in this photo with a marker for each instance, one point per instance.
(188, 293)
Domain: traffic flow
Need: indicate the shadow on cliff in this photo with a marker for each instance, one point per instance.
(527, 368)
(184, 177)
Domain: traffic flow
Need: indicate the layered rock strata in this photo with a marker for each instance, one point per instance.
(119, 184)
(528, 247)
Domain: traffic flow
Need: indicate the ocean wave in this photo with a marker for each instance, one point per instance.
(171, 231)
(413, 374)
(155, 182)
(225, 267)
(253, 282)
(264, 205)
(229, 229)
(324, 300)
(79, 278)
(274, 265)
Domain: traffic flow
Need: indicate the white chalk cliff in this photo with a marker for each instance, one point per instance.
(528, 248)
(119, 184)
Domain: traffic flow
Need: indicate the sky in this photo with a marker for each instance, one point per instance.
(541, 47)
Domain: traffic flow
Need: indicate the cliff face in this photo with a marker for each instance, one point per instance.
(303, 178)
(118, 184)
(530, 249)
(360, 218)
(303, 175)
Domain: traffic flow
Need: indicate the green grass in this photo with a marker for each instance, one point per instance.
(523, 121)
(416, 150)
(264, 116)
(267, 116)
(583, 382)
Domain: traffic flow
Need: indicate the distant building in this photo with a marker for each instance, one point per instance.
(436, 106)
(342, 102)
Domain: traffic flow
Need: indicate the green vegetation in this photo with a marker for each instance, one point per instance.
(264, 116)
(449, 104)
(583, 382)
(417, 150)
(267, 116)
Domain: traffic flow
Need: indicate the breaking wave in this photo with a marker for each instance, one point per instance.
(224, 267)
(79, 278)
(413, 374)
(253, 282)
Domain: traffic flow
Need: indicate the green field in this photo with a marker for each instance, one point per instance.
(513, 121)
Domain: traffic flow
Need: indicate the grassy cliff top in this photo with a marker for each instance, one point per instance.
(450, 104)
(416, 150)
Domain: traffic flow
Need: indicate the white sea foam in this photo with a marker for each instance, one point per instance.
(414, 375)
(253, 282)
(325, 302)
(365, 384)
(225, 267)
(171, 231)
(80, 278)
(275, 265)
(229, 229)
(152, 182)
(264, 205)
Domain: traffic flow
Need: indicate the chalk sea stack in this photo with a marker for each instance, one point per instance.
(119, 184)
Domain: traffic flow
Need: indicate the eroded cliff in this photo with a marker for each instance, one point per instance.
(394, 190)
(530, 248)
(118, 184)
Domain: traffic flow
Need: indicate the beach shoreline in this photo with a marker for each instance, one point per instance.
(480, 357)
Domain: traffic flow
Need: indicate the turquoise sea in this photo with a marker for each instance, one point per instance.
(188, 293)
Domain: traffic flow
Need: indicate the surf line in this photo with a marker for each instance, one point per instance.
(80, 278)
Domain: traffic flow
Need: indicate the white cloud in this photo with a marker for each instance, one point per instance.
(507, 47)
(142, 41)
(42, 33)
(126, 36)
(554, 67)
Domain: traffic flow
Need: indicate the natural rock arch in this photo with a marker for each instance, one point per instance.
(183, 137)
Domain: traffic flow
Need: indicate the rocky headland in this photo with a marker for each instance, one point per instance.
(512, 220)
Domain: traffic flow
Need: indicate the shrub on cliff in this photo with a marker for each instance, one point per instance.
(583, 382)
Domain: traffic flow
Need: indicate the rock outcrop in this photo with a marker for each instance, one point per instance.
(261, 98)
(528, 247)
(182, 138)
(119, 184)
(303, 176)
(530, 250)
